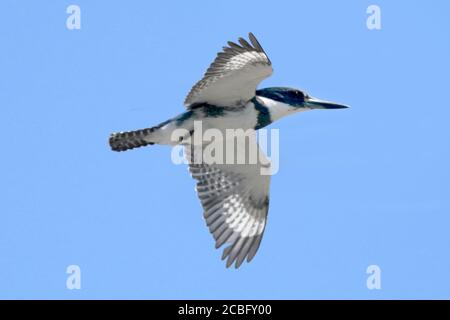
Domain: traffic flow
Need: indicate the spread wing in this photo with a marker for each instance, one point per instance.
(235, 200)
(233, 76)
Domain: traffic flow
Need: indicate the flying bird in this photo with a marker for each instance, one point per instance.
(234, 196)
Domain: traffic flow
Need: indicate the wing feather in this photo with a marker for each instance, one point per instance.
(232, 78)
(235, 200)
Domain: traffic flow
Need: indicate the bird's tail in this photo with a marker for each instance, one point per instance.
(123, 141)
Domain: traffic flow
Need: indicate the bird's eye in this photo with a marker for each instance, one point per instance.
(299, 94)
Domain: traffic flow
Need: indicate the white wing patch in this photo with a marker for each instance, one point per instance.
(235, 200)
(232, 78)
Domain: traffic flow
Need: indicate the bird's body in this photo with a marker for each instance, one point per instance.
(234, 196)
(255, 114)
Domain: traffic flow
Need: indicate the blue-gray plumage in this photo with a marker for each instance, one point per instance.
(234, 197)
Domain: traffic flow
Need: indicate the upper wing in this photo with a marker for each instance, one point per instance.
(235, 200)
(233, 76)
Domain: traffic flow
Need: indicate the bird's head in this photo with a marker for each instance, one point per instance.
(296, 100)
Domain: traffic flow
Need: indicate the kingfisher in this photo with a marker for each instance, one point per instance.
(234, 196)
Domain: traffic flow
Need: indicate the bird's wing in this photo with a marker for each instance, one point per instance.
(235, 201)
(233, 76)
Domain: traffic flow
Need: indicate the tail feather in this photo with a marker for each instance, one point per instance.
(123, 141)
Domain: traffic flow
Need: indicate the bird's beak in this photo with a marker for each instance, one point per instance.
(314, 103)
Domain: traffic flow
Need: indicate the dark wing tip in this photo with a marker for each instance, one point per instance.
(245, 44)
(257, 45)
(255, 42)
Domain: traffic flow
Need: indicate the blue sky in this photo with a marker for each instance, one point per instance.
(356, 187)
